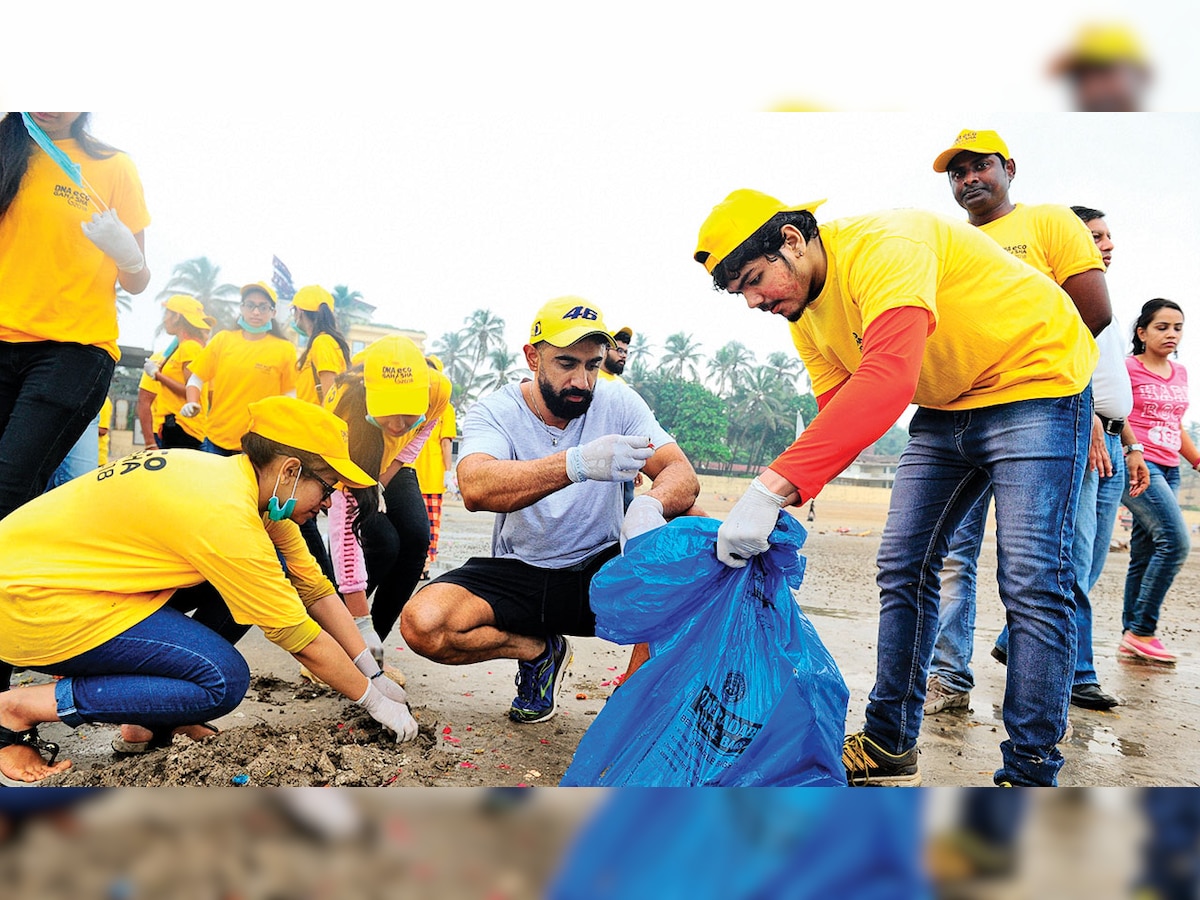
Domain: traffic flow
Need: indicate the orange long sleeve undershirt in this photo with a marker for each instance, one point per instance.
(861, 409)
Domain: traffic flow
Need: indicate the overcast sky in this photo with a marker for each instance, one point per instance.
(443, 163)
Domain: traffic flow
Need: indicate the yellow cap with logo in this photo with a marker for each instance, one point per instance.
(306, 426)
(565, 320)
(971, 140)
(263, 287)
(734, 219)
(396, 377)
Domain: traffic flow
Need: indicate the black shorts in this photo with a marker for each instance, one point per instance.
(531, 600)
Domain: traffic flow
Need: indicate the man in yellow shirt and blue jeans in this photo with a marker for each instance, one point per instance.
(902, 307)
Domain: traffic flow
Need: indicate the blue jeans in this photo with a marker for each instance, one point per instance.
(163, 672)
(1158, 548)
(82, 458)
(955, 642)
(1032, 454)
(1098, 503)
(209, 447)
(49, 392)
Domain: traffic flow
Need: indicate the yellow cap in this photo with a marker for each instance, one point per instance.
(396, 377)
(736, 218)
(1101, 44)
(192, 311)
(624, 333)
(435, 362)
(971, 141)
(565, 320)
(260, 286)
(306, 426)
(311, 298)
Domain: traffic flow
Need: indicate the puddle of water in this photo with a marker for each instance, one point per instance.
(1103, 742)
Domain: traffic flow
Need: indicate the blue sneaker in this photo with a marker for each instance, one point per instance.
(540, 680)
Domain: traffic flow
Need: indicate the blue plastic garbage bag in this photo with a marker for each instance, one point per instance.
(788, 844)
(739, 689)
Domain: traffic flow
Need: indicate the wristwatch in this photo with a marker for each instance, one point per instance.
(1130, 448)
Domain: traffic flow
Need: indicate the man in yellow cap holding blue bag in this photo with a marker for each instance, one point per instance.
(901, 307)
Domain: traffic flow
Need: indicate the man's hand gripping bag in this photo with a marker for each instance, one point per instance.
(738, 691)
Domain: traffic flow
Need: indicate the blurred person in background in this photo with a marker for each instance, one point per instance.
(1159, 542)
(147, 416)
(189, 326)
(391, 400)
(238, 367)
(1106, 68)
(61, 260)
(435, 471)
(325, 356)
(105, 625)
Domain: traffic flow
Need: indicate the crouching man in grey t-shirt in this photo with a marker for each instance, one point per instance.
(549, 456)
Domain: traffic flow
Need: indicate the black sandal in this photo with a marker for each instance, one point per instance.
(10, 738)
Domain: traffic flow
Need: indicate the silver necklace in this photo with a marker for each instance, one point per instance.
(554, 438)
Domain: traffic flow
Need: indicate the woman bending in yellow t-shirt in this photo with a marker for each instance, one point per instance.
(185, 320)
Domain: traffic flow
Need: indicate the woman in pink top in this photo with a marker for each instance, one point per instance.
(1159, 544)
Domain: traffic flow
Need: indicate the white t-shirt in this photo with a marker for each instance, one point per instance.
(575, 523)
(1110, 382)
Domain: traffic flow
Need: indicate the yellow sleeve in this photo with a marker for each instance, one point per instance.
(326, 355)
(897, 272)
(1069, 244)
(824, 373)
(303, 571)
(293, 639)
(204, 363)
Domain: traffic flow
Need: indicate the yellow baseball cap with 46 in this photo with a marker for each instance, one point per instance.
(734, 219)
(565, 320)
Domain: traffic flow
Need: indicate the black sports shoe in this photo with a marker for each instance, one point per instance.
(869, 764)
(1089, 696)
(540, 680)
(1000, 656)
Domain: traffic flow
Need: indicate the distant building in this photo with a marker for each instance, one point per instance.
(870, 470)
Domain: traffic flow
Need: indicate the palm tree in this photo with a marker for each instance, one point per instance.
(485, 332)
(504, 369)
(201, 279)
(640, 348)
(787, 368)
(729, 366)
(349, 308)
(682, 355)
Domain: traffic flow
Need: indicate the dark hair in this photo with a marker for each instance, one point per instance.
(323, 323)
(16, 146)
(365, 439)
(1086, 213)
(767, 242)
(260, 451)
(1149, 308)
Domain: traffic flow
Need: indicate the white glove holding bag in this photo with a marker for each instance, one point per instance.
(374, 642)
(389, 713)
(745, 530)
(614, 457)
(449, 483)
(189, 410)
(113, 237)
(645, 513)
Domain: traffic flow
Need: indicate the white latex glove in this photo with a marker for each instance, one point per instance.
(388, 713)
(189, 410)
(367, 665)
(110, 234)
(614, 457)
(645, 513)
(150, 367)
(744, 532)
(449, 484)
(374, 642)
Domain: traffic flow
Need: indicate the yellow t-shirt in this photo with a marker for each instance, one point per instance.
(168, 401)
(238, 371)
(609, 376)
(86, 561)
(1050, 238)
(324, 356)
(106, 414)
(1000, 330)
(55, 284)
(430, 466)
(146, 383)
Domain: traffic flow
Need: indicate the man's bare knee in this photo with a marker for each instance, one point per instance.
(424, 624)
